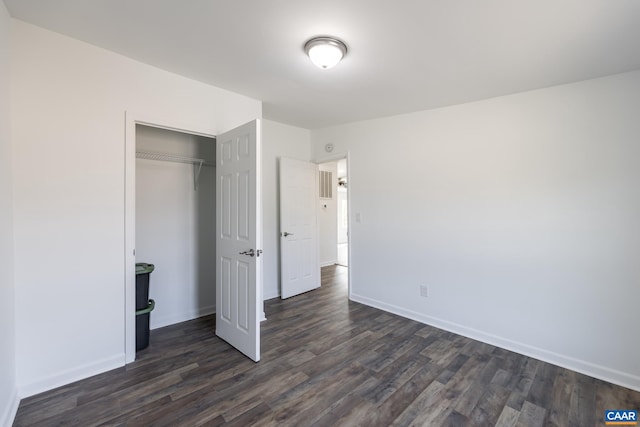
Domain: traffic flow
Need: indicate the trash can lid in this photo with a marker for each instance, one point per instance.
(143, 268)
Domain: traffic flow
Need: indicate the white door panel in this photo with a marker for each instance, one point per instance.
(298, 227)
(238, 297)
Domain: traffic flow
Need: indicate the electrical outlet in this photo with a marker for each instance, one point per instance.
(424, 291)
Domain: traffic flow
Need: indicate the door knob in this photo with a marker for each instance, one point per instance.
(285, 234)
(250, 252)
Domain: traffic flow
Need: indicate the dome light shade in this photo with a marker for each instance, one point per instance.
(325, 52)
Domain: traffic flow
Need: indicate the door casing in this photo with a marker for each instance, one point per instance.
(332, 158)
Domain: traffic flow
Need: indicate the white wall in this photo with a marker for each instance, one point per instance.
(278, 140)
(68, 112)
(175, 225)
(8, 391)
(343, 215)
(342, 200)
(328, 219)
(520, 213)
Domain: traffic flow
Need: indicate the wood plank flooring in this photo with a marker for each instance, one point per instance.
(328, 362)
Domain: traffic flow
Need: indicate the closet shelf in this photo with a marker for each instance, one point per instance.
(197, 163)
(150, 155)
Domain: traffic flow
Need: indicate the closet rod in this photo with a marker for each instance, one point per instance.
(197, 163)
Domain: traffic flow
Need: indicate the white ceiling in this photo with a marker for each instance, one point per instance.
(404, 55)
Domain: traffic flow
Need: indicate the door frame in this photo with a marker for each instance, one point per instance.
(332, 158)
(131, 120)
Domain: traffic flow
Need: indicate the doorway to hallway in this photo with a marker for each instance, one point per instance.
(333, 215)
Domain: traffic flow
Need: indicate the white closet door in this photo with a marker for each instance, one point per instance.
(237, 239)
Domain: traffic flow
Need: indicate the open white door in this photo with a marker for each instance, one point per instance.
(298, 227)
(238, 296)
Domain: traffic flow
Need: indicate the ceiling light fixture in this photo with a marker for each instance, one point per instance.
(325, 52)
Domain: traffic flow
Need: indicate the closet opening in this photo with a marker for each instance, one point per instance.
(175, 214)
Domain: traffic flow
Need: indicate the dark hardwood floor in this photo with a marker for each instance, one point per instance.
(325, 362)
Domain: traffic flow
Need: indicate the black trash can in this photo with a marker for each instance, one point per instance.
(144, 305)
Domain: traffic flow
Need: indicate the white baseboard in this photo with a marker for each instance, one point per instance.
(272, 294)
(70, 375)
(582, 366)
(328, 263)
(9, 412)
(161, 322)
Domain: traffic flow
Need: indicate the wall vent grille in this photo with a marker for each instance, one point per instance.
(326, 188)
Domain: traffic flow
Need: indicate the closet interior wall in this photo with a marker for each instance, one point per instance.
(175, 223)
